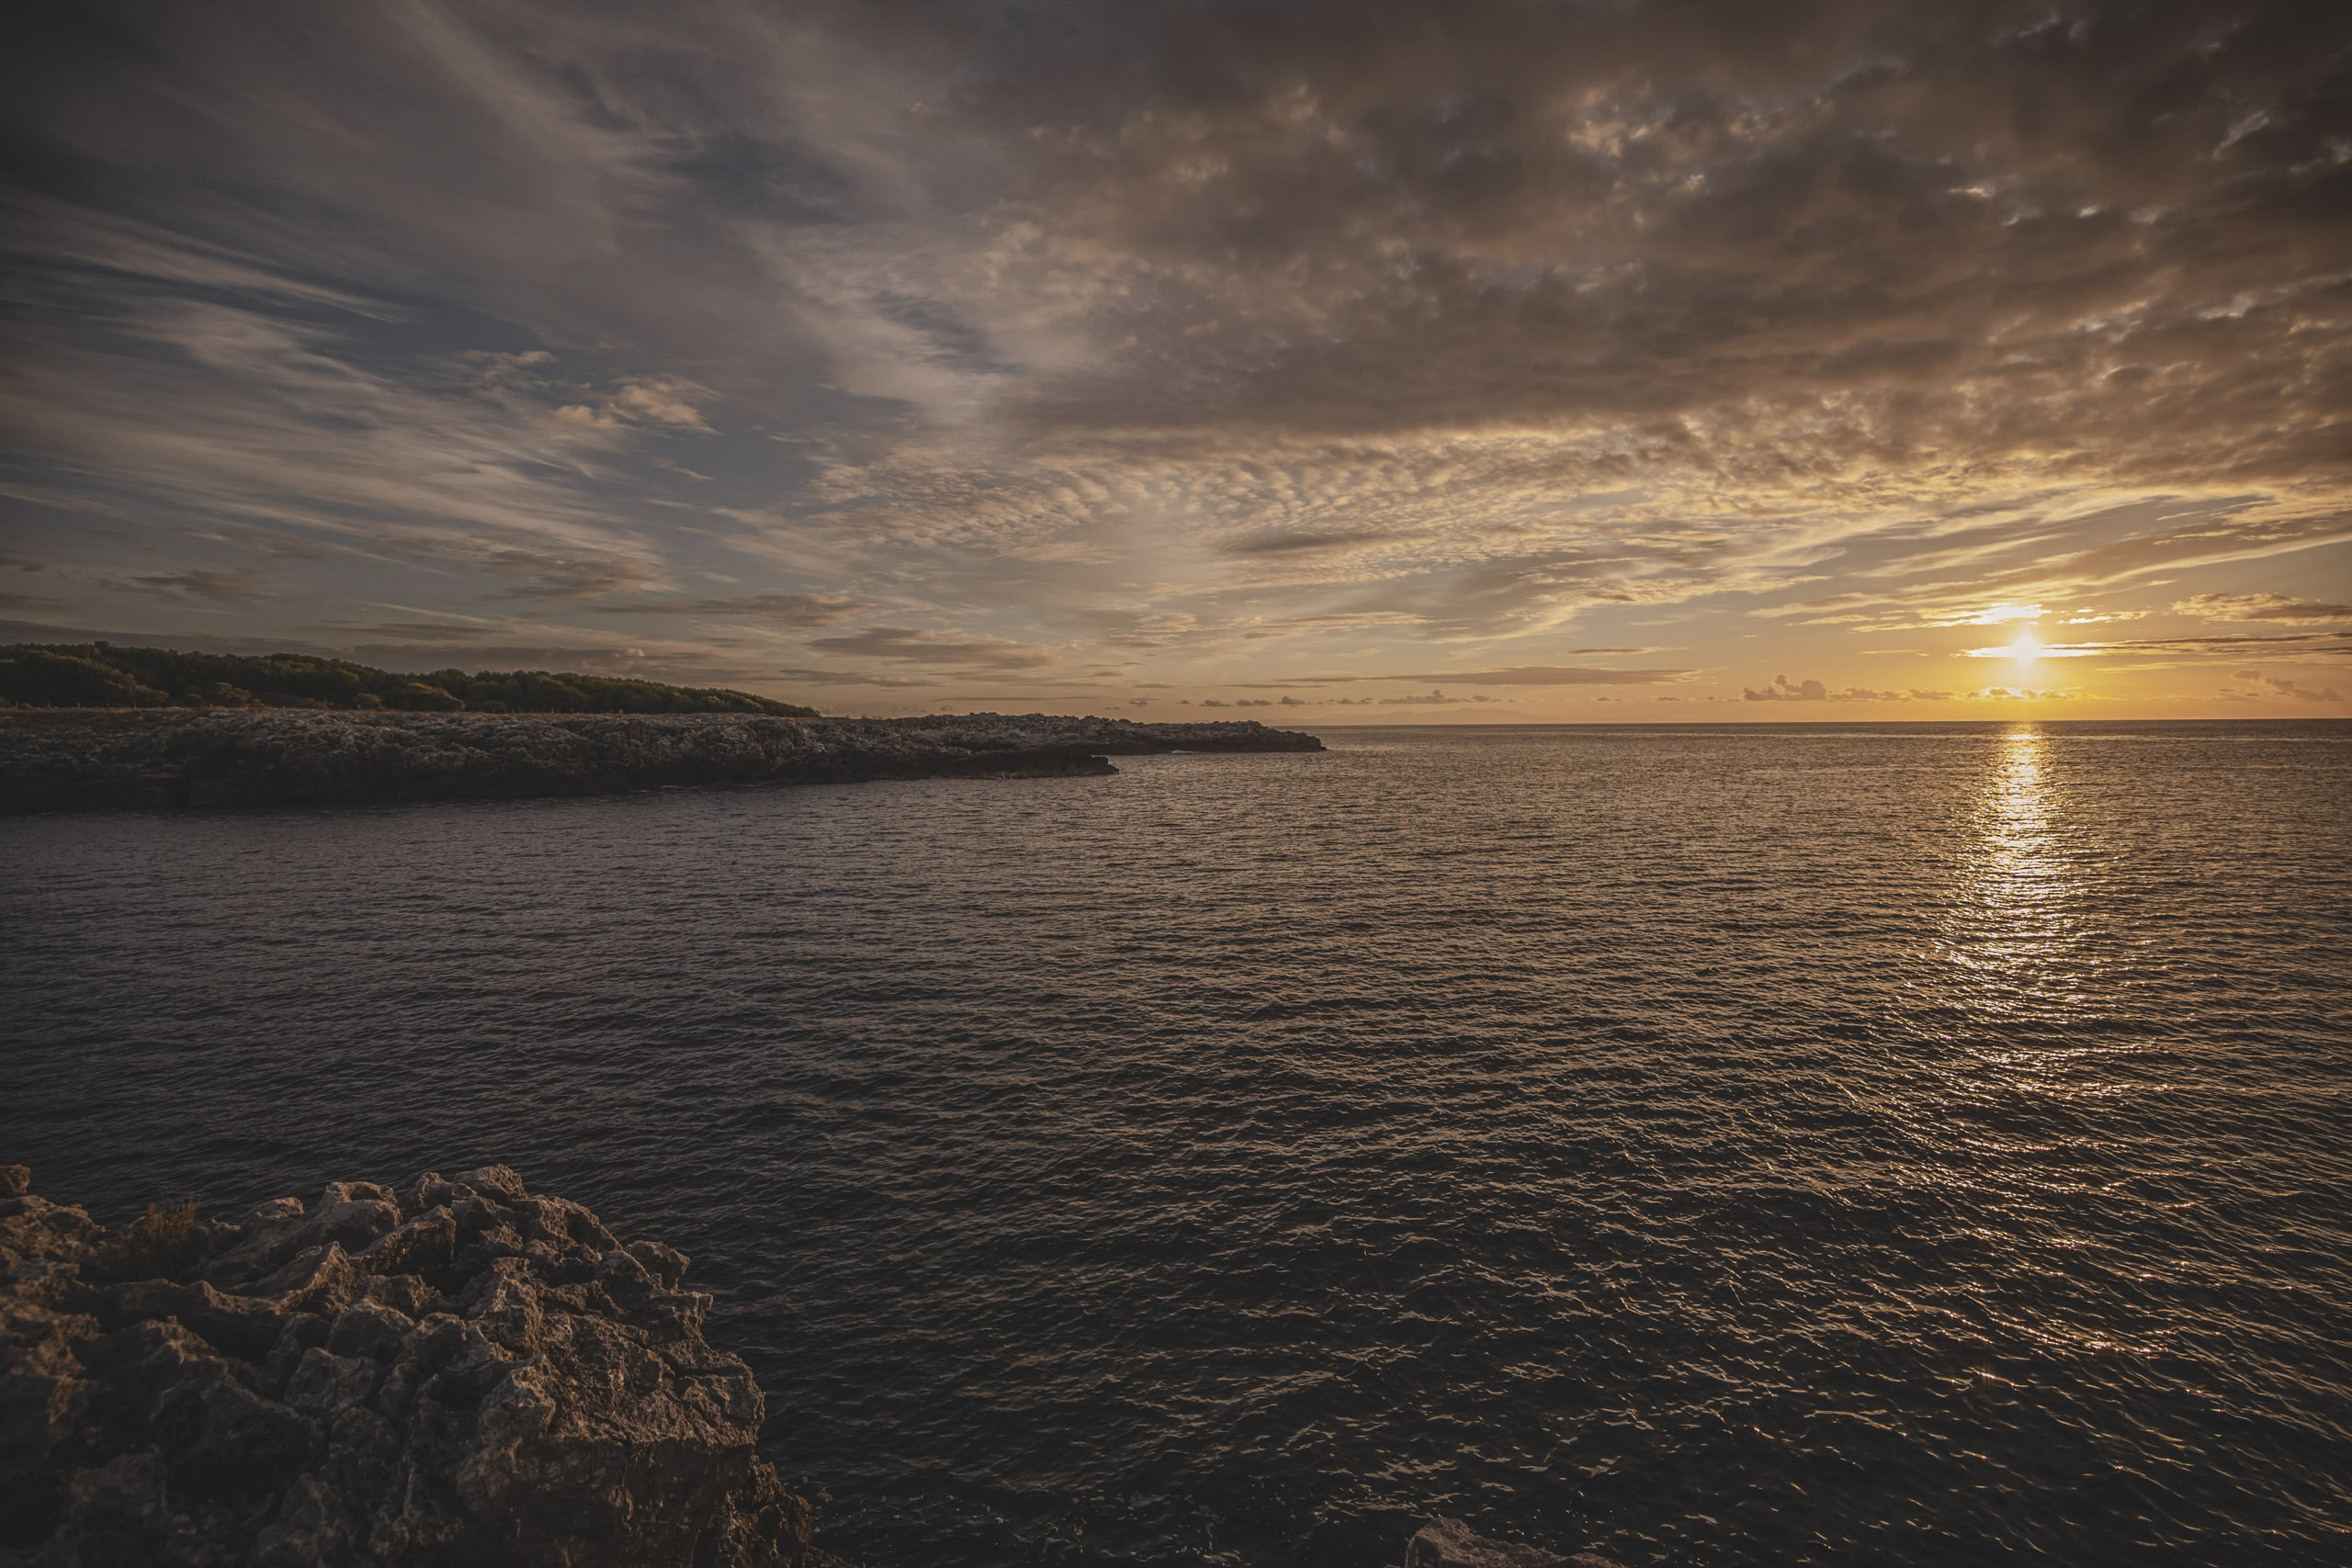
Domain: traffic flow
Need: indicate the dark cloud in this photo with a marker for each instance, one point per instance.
(2261, 607)
(780, 609)
(223, 587)
(411, 631)
(849, 677)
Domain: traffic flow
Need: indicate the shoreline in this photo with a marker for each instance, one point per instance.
(100, 760)
(403, 1374)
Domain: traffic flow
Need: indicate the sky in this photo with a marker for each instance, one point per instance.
(1362, 362)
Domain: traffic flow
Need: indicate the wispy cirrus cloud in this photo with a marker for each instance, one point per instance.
(2262, 608)
(1517, 675)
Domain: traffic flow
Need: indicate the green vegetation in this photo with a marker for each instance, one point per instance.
(100, 675)
(156, 1245)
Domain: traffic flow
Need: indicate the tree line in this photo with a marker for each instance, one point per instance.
(101, 675)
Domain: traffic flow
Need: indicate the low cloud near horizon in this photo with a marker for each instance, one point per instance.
(1106, 350)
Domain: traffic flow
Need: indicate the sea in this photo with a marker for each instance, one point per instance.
(1702, 1144)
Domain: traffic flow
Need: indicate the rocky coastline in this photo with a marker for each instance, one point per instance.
(70, 759)
(452, 1371)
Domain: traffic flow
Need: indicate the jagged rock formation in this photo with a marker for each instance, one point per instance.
(452, 1372)
(73, 759)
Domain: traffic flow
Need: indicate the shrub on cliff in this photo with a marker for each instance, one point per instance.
(100, 674)
(416, 697)
(38, 677)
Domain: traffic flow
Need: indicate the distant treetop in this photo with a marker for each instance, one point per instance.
(100, 675)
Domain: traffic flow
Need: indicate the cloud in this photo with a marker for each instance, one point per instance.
(1517, 675)
(850, 678)
(1322, 333)
(1434, 696)
(547, 574)
(2280, 686)
(1305, 544)
(1784, 689)
(223, 587)
(933, 648)
(780, 609)
(2261, 607)
(2235, 646)
(658, 401)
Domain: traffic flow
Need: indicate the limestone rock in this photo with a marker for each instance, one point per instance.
(457, 1371)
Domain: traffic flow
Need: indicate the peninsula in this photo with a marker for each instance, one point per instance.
(164, 758)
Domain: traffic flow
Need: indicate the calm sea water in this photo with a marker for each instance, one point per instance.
(1842, 1144)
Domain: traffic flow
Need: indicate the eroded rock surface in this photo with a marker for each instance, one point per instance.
(455, 1371)
(144, 758)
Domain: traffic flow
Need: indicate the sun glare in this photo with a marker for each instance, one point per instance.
(2026, 649)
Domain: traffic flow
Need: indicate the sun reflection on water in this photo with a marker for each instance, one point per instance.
(2015, 919)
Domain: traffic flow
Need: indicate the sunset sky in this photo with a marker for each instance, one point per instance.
(1362, 362)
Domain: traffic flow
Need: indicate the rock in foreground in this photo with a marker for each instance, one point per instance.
(80, 760)
(449, 1373)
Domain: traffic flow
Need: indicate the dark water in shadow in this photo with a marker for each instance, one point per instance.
(1847, 1145)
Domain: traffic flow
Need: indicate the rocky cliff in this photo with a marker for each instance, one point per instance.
(79, 759)
(455, 1371)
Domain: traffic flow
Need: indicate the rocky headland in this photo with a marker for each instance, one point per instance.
(453, 1371)
(68, 759)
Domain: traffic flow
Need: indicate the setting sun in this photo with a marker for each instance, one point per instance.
(2024, 649)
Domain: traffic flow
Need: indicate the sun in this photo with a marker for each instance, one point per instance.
(2026, 648)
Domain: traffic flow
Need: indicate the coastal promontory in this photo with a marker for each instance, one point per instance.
(61, 760)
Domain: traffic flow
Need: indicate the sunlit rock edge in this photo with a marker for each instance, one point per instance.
(82, 759)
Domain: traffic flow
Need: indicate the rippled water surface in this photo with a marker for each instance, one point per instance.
(1840, 1144)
